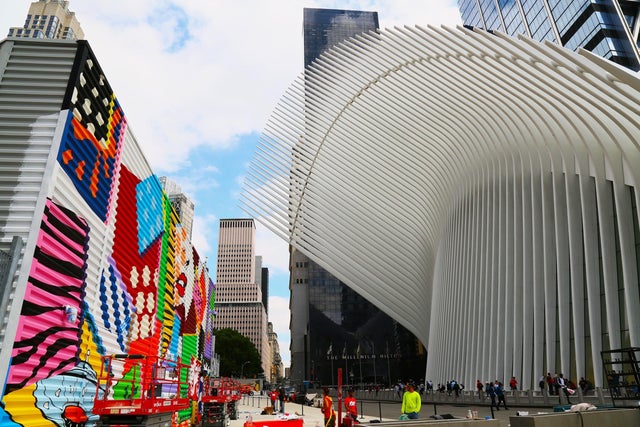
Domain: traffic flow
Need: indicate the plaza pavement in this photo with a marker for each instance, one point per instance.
(372, 411)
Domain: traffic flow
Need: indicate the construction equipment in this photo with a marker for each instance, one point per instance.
(140, 390)
(220, 402)
(622, 372)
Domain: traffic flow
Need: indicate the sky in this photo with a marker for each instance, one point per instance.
(198, 80)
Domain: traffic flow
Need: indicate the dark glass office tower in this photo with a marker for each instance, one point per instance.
(324, 28)
(331, 325)
(608, 28)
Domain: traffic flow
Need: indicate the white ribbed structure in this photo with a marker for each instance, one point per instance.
(473, 186)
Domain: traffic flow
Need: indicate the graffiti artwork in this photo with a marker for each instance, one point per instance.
(112, 273)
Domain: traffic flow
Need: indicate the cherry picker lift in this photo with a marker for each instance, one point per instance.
(220, 402)
(139, 390)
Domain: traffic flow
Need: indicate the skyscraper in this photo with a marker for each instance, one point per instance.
(325, 28)
(608, 28)
(238, 289)
(182, 204)
(49, 19)
(332, 325)
(276, 360)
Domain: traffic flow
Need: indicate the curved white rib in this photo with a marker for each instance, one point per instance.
(473, 186)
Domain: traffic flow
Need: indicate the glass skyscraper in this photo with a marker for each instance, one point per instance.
(332, 326)
(608, 28)
(324, 28)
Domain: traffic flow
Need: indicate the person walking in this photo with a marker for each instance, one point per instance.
(351, 406)
(500, 394)
(491, 392)
(327, 409)
(411, 402)
(541, 382)
(281, 396)
(273, 396)
(479, 387)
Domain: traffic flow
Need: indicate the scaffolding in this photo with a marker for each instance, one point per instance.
(623, 375)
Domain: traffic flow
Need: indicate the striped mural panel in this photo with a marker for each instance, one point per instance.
(110, 268)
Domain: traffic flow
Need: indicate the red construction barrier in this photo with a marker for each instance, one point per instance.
(275, 423)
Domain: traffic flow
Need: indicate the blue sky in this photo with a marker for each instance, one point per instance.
(199, 79)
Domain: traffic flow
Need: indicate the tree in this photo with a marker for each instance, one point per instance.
(235, 349)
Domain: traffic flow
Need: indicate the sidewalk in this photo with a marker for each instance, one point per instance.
(373, 411)
(311, 416)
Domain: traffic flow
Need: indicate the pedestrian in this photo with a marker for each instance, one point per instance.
(551, 384)
(491, 393)
(500, 395)
(411, 402)
(273, 396)
(327, 409)
(513, 384)
(614, 383)
(541, 383)
(351, 406)
(281, 397)
(455, 386)
(562, 385)
(585, 385)
(479, 387)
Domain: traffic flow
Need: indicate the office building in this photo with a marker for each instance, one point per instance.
(264, 283)
(325, 28)
(480, 189)
(239, 301)
(276, 372)
(182, 204)
(97, 263)
(49, 19)
(608, 28)
(324, 311)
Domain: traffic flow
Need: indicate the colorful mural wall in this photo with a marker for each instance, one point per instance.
(113, 271)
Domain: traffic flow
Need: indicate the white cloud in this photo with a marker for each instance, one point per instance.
(216, 80)
(221, 83)
(190, 73)
(274, 250)
(203, 228)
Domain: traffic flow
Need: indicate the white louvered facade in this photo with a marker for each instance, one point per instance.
(33, 81)
(480, 189)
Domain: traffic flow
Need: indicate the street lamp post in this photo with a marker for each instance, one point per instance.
(242, 369)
